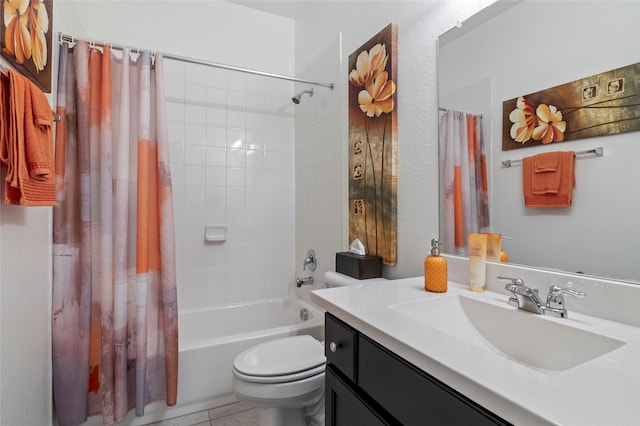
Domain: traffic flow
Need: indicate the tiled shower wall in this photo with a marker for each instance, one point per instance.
(232, 161)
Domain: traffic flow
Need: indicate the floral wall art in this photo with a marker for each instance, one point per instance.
(373, 146)
(602, 104)
(25, 35)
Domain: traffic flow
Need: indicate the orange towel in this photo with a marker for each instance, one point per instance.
(547, 162)
(31, 176)
(4, 118)
(550, 197)
(547, 173)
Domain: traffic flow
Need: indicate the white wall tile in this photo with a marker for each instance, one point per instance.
(217, 77)
(216, 116)
(195, 93)
(216, 156)
(195, 114)
(237, 81)
(216, 97)
(231, 164)
(216, 175)
(236, 158)
(236, 118)
(196, 74)
(236, 100)
(195, 175)
(216, 135)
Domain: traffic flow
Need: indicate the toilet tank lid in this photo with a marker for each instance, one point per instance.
(336, 279)
(282, 356)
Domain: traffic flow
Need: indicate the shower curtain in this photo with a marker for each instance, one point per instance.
(115, 327)
(466, 195)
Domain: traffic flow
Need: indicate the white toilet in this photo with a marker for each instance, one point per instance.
(285, 377)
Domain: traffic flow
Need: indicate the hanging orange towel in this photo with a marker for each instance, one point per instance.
(4, 118)
(547, 162)
(31, 175)
(551, 188)
(547, 173)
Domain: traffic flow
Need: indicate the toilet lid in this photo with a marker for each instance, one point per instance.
(281, 357)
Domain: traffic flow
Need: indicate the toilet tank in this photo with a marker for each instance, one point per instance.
(336, 279)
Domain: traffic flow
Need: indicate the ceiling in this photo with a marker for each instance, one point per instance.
(287, 9)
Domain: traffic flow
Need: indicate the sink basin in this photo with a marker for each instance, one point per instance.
(525, 337)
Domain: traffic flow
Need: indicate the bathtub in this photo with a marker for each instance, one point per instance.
(209, 341)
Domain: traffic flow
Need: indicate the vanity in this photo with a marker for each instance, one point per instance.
(365, 383)
(399, 355)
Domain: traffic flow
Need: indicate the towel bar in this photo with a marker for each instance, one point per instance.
(599, 152)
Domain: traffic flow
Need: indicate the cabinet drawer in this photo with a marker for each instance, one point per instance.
(340, 345)
(411, 395)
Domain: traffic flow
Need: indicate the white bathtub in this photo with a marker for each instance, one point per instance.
(210, 339)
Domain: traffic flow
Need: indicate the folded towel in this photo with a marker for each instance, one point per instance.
(38, 135)
(546, 195)
(31, 174)
(547, 173)
(547, 162)
(4, 118)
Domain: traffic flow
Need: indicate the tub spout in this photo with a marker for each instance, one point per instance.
(305, 280)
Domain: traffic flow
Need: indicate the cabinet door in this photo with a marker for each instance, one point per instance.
(343, 406)
(340, 345)
(411, 395)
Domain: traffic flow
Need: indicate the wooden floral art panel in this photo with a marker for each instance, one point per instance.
(373, 146)
(602, 104)
(25, 34)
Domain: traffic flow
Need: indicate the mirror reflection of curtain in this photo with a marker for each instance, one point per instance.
(114, 320)
(466, 199)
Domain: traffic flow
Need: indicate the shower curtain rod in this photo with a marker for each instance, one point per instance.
(71, 39)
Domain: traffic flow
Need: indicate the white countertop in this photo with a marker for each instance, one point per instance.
(602, 392)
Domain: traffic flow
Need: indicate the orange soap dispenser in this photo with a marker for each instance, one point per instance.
(435, 270)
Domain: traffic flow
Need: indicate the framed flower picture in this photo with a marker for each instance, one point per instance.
(25, 34)
(373, 146)
(602, 104)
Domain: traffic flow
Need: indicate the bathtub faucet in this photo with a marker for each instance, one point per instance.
(310, 260)
(306, 280)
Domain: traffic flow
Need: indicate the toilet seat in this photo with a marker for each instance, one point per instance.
(300, 375)
(281, 360)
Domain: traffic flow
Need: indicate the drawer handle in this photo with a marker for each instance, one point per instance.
(333, 346)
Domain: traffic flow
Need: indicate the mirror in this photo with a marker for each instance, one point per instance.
(510, 49)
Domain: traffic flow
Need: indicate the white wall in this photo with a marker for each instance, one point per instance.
(419, 25)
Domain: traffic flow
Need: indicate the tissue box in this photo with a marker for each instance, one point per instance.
(359, 266)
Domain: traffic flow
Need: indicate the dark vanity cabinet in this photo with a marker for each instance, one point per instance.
(366, 384)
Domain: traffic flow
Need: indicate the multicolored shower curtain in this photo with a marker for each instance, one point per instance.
(115, 318)
(466, 194)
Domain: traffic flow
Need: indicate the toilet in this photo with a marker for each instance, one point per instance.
(285, 377)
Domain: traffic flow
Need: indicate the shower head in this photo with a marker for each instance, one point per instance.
(296, 98)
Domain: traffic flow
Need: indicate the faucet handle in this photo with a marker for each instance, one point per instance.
(515, 283)
(556, 290)
(555, 302)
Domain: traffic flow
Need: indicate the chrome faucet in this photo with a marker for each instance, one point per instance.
(528, 299)
(523, 297)
(310, 260)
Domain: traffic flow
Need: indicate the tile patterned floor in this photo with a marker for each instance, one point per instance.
(237, 414)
